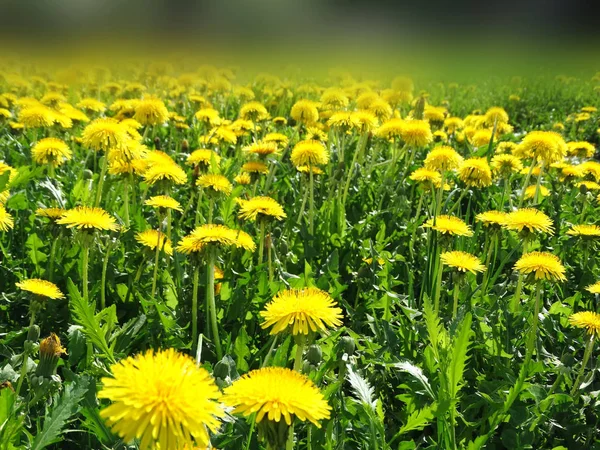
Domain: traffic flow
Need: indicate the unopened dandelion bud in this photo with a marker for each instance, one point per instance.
(348, 345)
(314, 354)
(50, 352)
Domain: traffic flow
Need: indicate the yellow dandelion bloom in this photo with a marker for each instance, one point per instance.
(277, 392)
(443, 158)
(491, 218)
(215, 183)
(163, 201)
(529, 219)
(495, 115)
(50, 213)
(151, 111)
(309, 153)
(208, 115)
(278, 138)
(307, 170)
(243, 178)
(342, 120)
(168, 172)
(254, 111)
(569, 172)
(424, 175)
(261, 148)
(591, 168)
(594, 288)
(260, 207)
(163, 399)
(475, 172)
(152, 238)
(506, 164)
(86, 218)
(416, 133)
(42, 288)
(543, 265)
(37, 116)
(452, 124)
(450, 225)
(204, 157)
(581, 149)
(91, 104)
(255, 167)
(542, 190)
(381, 109)
(481, 138)
(364, 121)
(589, 320)
(505, 147)
(585, 231)
(315, 134)
(334, 98)
(301, 311)
(51, 150)
(546, 146)
(305, 112)
(391, 129)
(462, 261)
(6, 220)
(589, 185)
(197, 240)
(104, 134)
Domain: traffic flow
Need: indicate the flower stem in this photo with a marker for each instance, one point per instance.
(526, 182)
(195, 307)
(53, 256)
(261, 241)
(156, 255)
(126, 200)
(532, 336)
(586, 356)
(198, 209)
(101, 181)
(210, 295)
(269, 256)
(23, 373)
(304, 198)
(84, 268)
(103, 281)
(438, 287)
(455, 296)
(311, 209)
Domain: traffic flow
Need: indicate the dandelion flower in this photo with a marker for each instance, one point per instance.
(50, 213)
(51, 150)
(243, 178)
(543, 265)
(37, 116)
(254, 111)
(589, 320)
(530, 191)
(491, 218)
(255, 167)
(443, 158)
(309, 153)
(594, 288)
(215, 183)
(161, 398)
(168, 172)
(278, 138)
(260, 207)
(585, 231)
(41, 288)
(391, 129)
(546, 146)
(86, 218)
(208, 115)
(495, 116)
(305, 112)
(91, 104)
(261, 148)
(462, 261)
(203, 157)
(506, 164)
(152, 238)
(416, 133)
(364, 121)
(151, 111)
(452, 124)
(203, 235)
(424, 175)
(163, 201)
(450, 225)
(342, 120)
(6, 220)
(580, 149)
(475, 172)
(529, 219)
(104, 134)
(307, 169)
(275, 392)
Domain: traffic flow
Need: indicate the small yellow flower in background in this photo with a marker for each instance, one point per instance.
(452, 124)
(416, 133)
(208, 115)
(435, 114)
(364, 121)
(86, 218)
(491, 218)
(203, 157)
(51, 150)
(42, 288)
(163, 201)
(152, 238)
(276, 392)
(585, 231)
(260, 207)
(505, 147)
(37, 117)
(315, 134)
(254, 111)
(426, 175)
(542, 190)
(307, 170)
(278, 138)
(462, 261)
(334, 98)
(261, 148)
(50, 213)
(589, 320)
(91, 104)
(203, 235)
(449, 225)
(163, 399)
(475, 172)
(381, 108)
(255, 167)
(506, 164)
(305, 112)
(495, 115)
(243, 178)
(594, 288)
(309, 153)
(543, 265)
(581, 149)
(528, 219)
(570, 172)
(168, 172)
(342, 120)
(215, 183)
(6, 220)
(589, 185)
(104, 134)
(591, 168)
(301, 311)
(443, 158)
(391, 129)
(151, 111)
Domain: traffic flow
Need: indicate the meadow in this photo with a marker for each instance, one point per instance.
(217, 257)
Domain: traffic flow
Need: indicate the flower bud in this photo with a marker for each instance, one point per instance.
(347, 345)
(314, 354)
(50, 352)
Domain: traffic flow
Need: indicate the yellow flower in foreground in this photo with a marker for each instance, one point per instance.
(42, 288)
(243, 178)
(449, 225)
(203, 235)
(462, 261)
(163, 201)
(545, 266)
(51, 150)
(50, 213)
(309, 153)
(546, 146)
(87, 218)
(589, 231)
(543, 191)
(260, 207)
(104, 134)
(277, 392)
(475, 172)
(216, 183)
(152, 238)
(6, 220)
(416, 133)
(305, 111)
(204, 157)
(505, 164)
(594, 288)
(589, 320)
(491, 218)
(426, 175)
(261, 148)
(529, 219)
(169, 172)
(151, 111)
(255, 167)
(443, 158)
(302, 310)
(161, 398)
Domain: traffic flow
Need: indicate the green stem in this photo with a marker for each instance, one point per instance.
(304, 198)
(53, 256)
(357, 152)
(85, 268)
(23, 373)
(531, 338)
(455, 296)
(198, 209)
(101, 181)
(526, 182)
(438, 205)
(438, 287)
(586, 356)
(311, 209)
(488, 258)
(537, 185)
(126, 200)
(270, 256)
(156, 255)
(196, 278)
(211, 206)
(103, 280)
(210, 295)
(261, 241)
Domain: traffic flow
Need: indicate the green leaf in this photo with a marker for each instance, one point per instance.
(419, 419)
(18, 202)
(34, 244)
(459, 356)
(363, 391)
(417, 373)
(84, 315)
(4, 180)
(65, 407)
(241, 350)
